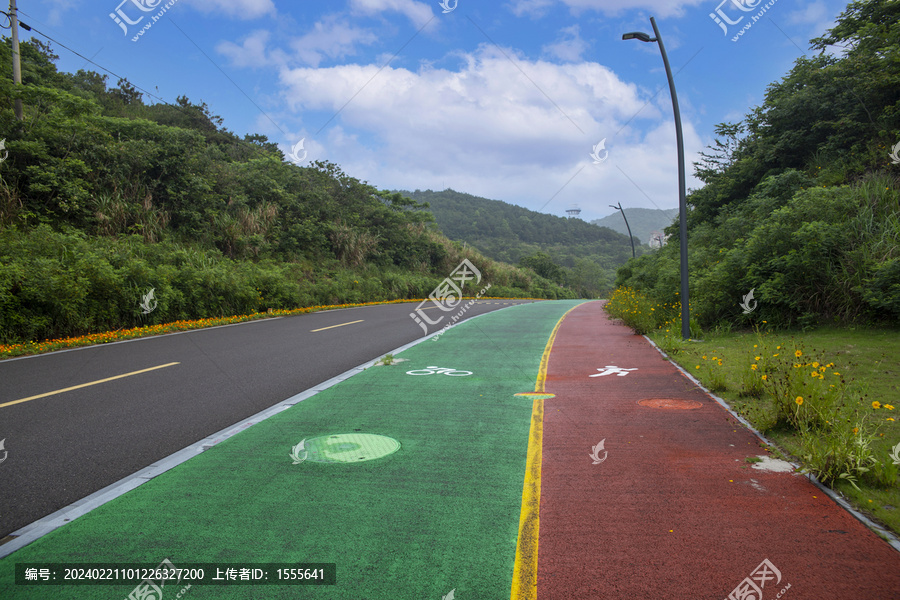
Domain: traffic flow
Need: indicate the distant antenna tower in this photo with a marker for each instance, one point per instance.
(573, 211)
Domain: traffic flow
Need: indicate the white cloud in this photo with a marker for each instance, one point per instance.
(417, 12)
(240, 9)
(569, 47)
(487, 129)
(533, 8)
(330, 38)
(250, 53)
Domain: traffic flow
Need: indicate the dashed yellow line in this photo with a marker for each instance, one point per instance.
(83, 385)
(333, 326)
(524, 582)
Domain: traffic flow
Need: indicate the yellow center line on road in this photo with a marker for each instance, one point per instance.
(333, 326)
(76, 387)
(525, 567)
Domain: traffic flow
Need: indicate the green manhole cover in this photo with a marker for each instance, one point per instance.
(350, 447)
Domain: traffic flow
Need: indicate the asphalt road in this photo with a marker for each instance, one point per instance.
(67, 445)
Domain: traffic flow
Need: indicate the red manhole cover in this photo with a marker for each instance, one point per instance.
(670, 403)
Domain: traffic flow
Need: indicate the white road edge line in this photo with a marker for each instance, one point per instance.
(24, 536)
(887, 536)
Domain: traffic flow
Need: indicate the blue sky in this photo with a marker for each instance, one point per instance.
(503, 99)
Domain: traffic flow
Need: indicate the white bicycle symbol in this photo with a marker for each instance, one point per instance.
(439, 371)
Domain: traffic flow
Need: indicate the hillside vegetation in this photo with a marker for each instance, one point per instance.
(570, 252)
(104, 197)
(801, 201)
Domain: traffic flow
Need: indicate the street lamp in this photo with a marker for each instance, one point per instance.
(682, 201)
(630, 237)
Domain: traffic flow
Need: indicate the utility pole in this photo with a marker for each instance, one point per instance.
(17, 65)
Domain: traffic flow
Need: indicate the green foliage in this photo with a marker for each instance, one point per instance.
(55, 284)
(103, 197)
(804, 209)
(543, 265)
(570, 252)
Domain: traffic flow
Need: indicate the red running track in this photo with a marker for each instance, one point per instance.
(674, 510)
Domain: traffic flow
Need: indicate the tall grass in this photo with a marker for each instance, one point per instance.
(59, 284)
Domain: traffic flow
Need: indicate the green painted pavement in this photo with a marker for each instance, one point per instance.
(439, 514)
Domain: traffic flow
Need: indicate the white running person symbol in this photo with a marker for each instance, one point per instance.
(613, 370)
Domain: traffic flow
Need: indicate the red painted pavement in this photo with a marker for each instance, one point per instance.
(674, 511)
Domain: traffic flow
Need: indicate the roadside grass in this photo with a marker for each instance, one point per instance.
(868, 364)
(106, 337)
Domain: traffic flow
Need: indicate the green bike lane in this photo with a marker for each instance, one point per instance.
(439, 514)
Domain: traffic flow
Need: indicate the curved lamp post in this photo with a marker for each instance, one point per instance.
(682, 202)
(630, 237)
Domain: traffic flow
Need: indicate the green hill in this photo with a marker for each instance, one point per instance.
(569, 251)
(643, 221)
(104, 198)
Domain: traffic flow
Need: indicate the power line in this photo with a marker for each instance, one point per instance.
(101, 67)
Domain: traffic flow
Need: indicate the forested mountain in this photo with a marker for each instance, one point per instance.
(801, 201)
(643, 221)
(569, 251)
(103, 197)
